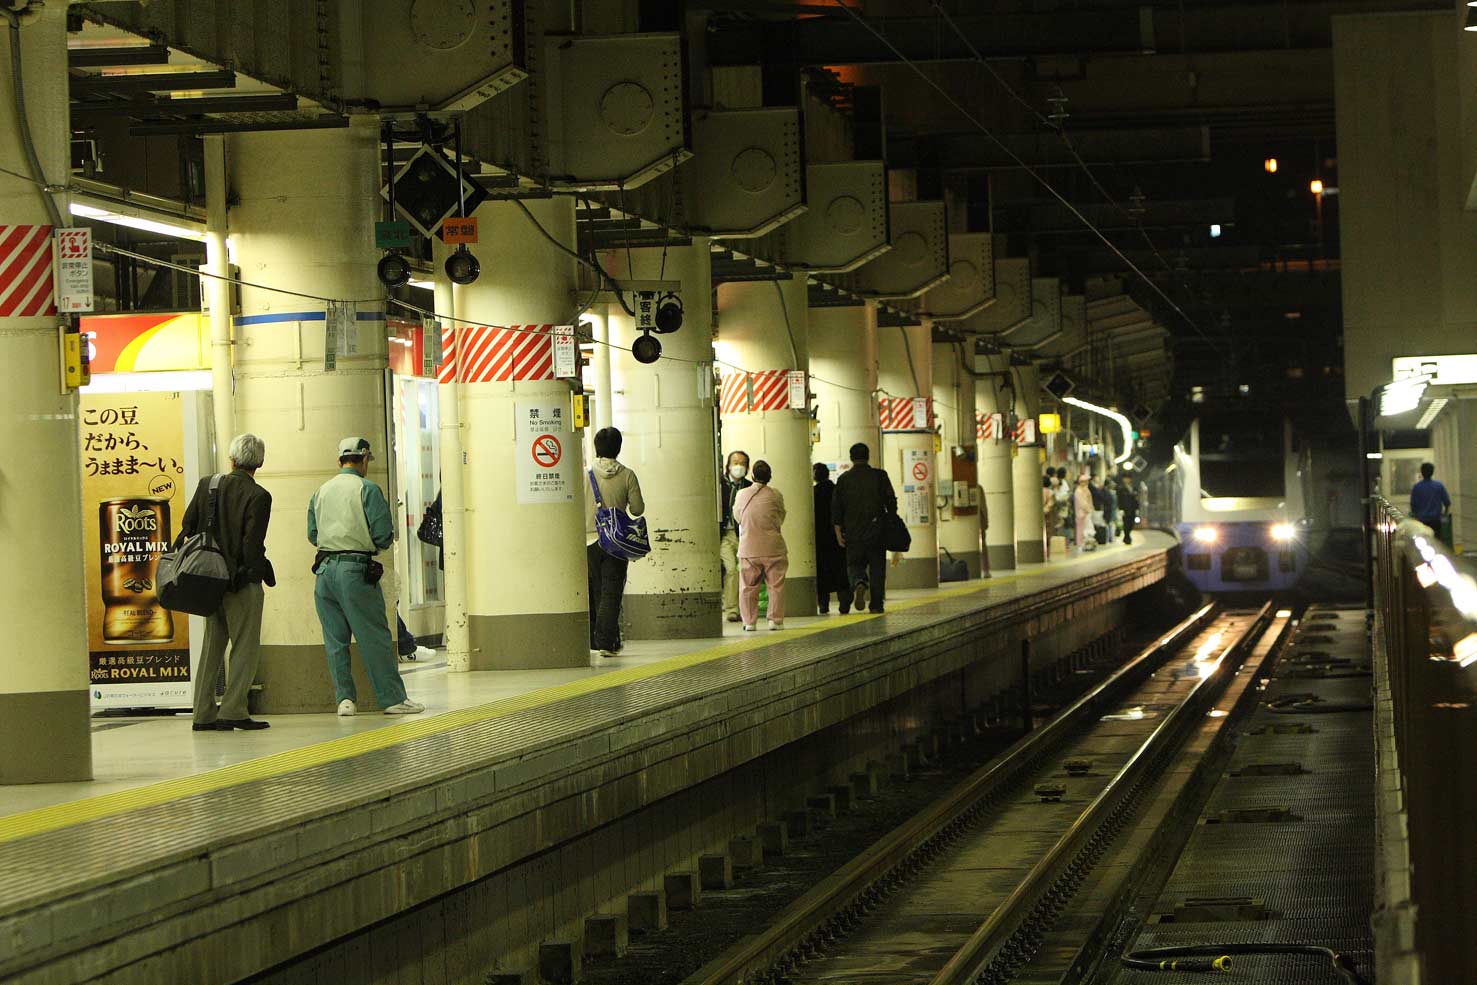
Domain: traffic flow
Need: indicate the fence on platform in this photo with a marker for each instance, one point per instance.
(1424, 649)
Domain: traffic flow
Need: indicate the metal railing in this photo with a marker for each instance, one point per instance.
(1424, 649)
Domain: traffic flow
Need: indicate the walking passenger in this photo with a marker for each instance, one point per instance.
(349, 522)
(619, 489)
(1082, 500)
(242, 511)
(1064, 508)
(760, 511)
(1429, 501)
(862, 496)
(1128, 503)
(734, 478)
(830, 557)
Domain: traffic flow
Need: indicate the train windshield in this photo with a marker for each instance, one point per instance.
(1241, 456)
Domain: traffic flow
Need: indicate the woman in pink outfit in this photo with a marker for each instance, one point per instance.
(1082, 499)
(759, 511)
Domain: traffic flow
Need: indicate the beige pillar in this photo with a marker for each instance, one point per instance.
(843, 366)
(995, 460)
(1027, 473)
(905, 372)
(953, 402)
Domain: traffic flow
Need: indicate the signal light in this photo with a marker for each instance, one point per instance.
(1270, 165)
(462, 267)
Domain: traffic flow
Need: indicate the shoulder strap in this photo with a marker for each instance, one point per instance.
(595, 486)
(212, 515)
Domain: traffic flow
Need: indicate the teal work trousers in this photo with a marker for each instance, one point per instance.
(348, 606)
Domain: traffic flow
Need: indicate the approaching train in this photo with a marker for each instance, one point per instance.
(1242, 503)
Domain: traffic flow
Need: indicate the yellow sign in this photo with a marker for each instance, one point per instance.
(1050, 423)
(580, 410)
(133, 499)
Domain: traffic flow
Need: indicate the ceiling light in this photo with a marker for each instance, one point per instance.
(1115, 416)
(1270, 165)
(1402, 395)
(1435, 408)
(1316, 186)
(136, 222)
(1215, 230)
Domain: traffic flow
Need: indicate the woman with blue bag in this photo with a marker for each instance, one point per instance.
(613, 520)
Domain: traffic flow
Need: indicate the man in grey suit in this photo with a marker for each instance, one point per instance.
(243, 510)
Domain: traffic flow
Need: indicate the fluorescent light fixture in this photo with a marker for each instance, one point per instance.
(425, 285)
(133, 221)
(1215, 230)
(1283, 532)
(1375, 455)
(1402, 396)
(1465, 649)
(1112, 415)
(1284, 613)
(1206, 535)
(1433, 409)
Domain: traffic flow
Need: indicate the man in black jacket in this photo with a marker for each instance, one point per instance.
(243, 509)
(863, 494)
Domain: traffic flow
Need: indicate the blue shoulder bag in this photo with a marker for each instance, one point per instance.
(621, 535)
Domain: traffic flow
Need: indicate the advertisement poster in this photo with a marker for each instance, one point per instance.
(545, 440)
(133, 500)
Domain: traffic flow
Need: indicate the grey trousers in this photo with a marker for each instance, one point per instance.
(728, 555)
(239, 622)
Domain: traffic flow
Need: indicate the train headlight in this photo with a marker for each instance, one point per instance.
(1206, 535)
(1282, 532)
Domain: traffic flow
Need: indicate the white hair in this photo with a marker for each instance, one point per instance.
(248, 451)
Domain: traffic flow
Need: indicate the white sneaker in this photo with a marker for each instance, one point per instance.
(748, 629)
(776, 625)
(424, 653)
(406, 707)
(347, 708)
(609, 654)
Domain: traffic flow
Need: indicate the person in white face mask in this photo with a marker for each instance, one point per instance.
(735, 477)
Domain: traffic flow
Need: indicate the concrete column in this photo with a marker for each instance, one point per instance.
(953, 402)
(451, 484)
(1027, 472)
(665, 413)
(218, 296)
(527, 594)
(995, 464)
(44, 730)
(305, 223)
(763, 328)
(905, 370)
(843, 364)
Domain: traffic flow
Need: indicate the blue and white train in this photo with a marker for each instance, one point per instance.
(1242, 503)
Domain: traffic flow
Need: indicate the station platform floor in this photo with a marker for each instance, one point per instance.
(190, 851)
(130, 753)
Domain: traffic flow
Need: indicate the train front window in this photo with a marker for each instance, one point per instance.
(1241, 456)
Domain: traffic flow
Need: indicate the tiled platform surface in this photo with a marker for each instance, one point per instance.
(219, 874)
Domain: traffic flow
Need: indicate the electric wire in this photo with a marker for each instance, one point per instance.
(1217, 957)
(1019, 162)
(28, 142)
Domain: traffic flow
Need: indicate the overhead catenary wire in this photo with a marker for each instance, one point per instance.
(1040, 179)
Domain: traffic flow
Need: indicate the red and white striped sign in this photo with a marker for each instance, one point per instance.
(905, 413)
(26, 286)
(1025, 431)
(499, 355)
(989, 426)
(747, 393)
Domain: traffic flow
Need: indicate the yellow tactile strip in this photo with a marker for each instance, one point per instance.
(44, 819)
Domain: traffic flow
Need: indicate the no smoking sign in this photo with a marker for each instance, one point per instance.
(547, 451)
(920, 471)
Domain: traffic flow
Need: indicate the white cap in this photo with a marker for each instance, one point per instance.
(353, 446)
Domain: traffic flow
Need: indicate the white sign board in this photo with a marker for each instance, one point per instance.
(798, 401)
(547, 454)
(430, 347)
(1443, 370)
(646, 311)
(73, 270)
(920, 413)
(566, 359)
(917, 498)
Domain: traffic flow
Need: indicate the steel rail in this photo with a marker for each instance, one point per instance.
(852, 889)
(1052, 873)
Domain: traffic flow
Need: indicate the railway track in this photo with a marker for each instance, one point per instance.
(968, 889)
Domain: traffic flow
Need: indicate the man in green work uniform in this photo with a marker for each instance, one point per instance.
(349, 522)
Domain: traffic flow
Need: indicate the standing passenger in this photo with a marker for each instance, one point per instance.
(1429, 501)
(1064, 510)
(349, 522)
(862, 496)
(619, 489)
(760, 512)
(1082, 500)
(1049, 518)
(735, 477)
(242, 511)
(830, 557)
(1128, 502)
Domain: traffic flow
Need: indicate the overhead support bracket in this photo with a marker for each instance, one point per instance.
(919, 258)
(748, 175)
(443, 55)
(845, 221)
(970, 288)
(1012, 304)
(613, 110)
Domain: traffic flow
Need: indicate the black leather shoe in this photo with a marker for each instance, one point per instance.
(244, 724)
(209, 727)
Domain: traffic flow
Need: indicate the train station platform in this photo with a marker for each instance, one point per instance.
(520, 804)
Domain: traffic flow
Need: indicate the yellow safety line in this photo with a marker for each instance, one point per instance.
(55, 816)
